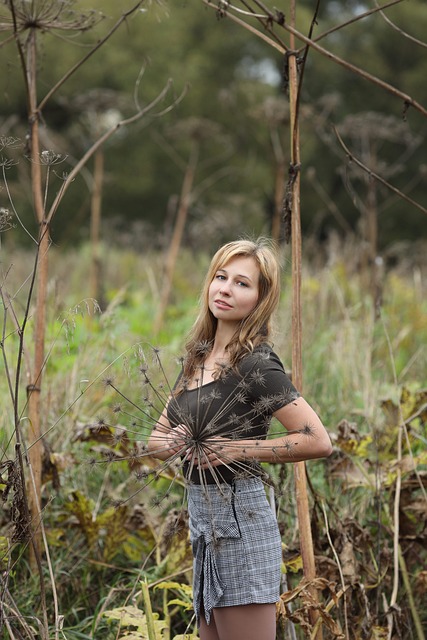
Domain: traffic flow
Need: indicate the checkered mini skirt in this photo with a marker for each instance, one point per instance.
(236, 546)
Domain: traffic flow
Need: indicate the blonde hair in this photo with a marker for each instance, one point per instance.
(252, 330)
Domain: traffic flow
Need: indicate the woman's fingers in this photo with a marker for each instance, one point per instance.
(212, 453)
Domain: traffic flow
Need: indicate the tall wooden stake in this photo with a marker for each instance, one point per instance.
(95, 226)
(34, 387)
(175, 244)
(306, 540)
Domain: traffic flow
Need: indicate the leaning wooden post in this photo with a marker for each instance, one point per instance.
(304, 525)
(34, 386)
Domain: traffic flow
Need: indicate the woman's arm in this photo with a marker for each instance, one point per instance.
(166, 441)
(306, 439)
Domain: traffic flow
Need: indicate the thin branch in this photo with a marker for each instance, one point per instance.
(263, 19)
(9, 195)
(48, 560)
(356, 18)
(21, 54)
(340, 571)
(278, 19)
(280, 47)
(415, 615)
(8, 305)
(7, 40)
(98, 45)
(371, 173)
(302, 68)
(398, 29)
(70, 177)
(408, 100)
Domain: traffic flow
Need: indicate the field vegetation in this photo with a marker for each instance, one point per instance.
(112, 537)
(134, 139)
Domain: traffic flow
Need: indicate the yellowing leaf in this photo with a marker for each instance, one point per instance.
(379, 633)
(55, 537)
(187, 606)
(182, 587)
(361, 448)
(136, 546)
(113, 522)
(130, 616)
(293, 565)
(4, 553)
(168, 585)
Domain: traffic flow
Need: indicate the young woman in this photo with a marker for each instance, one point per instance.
(217, 420)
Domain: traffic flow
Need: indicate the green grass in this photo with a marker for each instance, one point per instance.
(353, 364)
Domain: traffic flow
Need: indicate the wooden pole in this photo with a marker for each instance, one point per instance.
(303, 511)
(175, 244)
(35, 444)
(95, 226)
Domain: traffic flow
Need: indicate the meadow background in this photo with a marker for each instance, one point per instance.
(120, 291)
(366, 376)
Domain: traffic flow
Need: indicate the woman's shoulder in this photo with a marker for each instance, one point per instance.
(266, 380)
(263, 357)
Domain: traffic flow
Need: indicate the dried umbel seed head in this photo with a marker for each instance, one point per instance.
(5, 220)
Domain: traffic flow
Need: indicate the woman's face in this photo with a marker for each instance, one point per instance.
(234, 290)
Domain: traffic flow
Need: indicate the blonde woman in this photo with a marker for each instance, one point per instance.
(217, 420)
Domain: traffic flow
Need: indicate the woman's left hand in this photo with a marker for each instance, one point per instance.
(214, 452)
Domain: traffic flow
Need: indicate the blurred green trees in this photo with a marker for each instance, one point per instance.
(230, 74)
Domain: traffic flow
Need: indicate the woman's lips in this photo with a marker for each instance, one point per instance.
(222, 304)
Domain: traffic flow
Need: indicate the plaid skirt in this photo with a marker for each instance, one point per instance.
(236, 546)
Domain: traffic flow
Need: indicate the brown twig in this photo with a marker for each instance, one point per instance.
(398, 29)
(278, 19)
(280, 47)
(102, 139)
(97, 46)
(337, 560)
(371, 173)
(359, 16)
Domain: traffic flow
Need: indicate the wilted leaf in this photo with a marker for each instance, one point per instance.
(55, 537)
(174, 585)
(421, 582)
(412, 403)
(187, 606)
(185, 591)
(83, 507)
(4, 553)
(130, 616)
(136, 546)
(178, 554)
(348, 561)
(379, 633)
(112, 522)
(292, 565)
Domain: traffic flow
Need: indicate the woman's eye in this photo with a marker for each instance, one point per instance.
(241, 283)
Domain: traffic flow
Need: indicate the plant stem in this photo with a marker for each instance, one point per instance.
(414, 612)
(148, 611)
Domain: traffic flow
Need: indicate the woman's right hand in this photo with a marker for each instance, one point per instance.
(177, 440)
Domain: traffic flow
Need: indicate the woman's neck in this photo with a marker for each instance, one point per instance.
(223, 336)
(219, 354)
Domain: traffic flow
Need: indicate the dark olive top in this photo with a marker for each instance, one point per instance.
(239, 405)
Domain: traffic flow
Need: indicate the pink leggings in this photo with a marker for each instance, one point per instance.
(242, 622)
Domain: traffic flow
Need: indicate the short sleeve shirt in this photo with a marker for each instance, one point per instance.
(239, 405)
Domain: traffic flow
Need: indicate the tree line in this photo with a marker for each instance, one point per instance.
(235, 110)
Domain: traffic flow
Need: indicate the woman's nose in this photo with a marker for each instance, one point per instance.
(225, 288)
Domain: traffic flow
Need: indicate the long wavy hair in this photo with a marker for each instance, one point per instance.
(256, 327)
